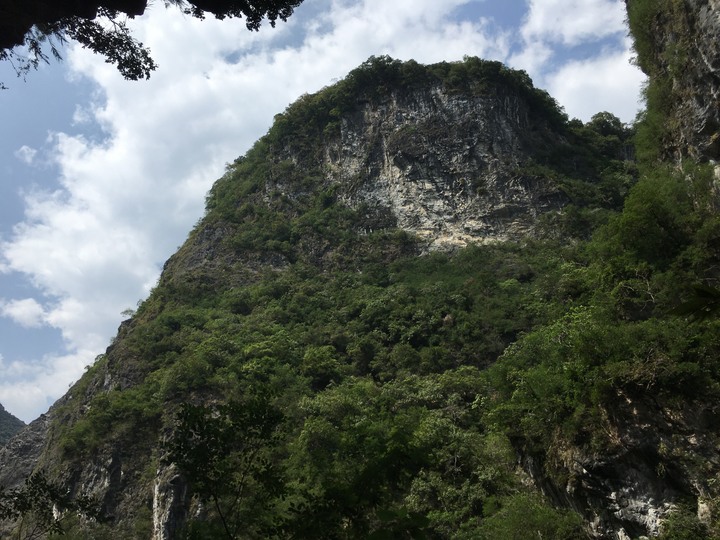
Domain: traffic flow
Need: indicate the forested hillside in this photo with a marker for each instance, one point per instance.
(315, 363)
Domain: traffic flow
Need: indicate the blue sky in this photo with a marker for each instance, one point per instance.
(101, 179)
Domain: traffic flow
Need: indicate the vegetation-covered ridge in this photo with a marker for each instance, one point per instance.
(299, 372)
(288, 165)
(377, 79)
(9, 425)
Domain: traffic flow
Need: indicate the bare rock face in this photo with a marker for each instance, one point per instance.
(9, 425)
(698, 113)
(627, 490)
(445, 165)
(170, 496)
(683, 54)
(19, 456)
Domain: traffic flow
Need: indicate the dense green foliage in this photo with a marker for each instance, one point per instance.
(42, 507)
(313, 377)
(315, 116)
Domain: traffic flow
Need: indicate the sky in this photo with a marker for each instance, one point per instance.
(101, 179)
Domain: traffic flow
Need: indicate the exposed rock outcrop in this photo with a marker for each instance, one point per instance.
(20, 455)
(698, 83)
(682, 51)
(9, 425)
(650, 467)
(170, 501)
(446, 165)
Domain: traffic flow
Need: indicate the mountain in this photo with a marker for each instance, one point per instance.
(676, 45)
(425, 305)
(9, 425)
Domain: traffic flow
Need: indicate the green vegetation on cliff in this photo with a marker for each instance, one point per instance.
(311, 375)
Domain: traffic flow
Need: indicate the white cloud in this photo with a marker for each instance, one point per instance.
(26, 154)
(573, 21)
(27, 389)
(606, 83)
(26, 400)
(532, 58)
(553, 29)
(82, 115)
(27, 312)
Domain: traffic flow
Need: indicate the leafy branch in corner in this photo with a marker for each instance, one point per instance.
(28, 29)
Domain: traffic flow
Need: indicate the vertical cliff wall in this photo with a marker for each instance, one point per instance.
(447, 167)
(678, 46)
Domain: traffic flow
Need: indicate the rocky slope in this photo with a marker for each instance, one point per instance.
(677, 46)
(445, 166)
(660, 458)
(9, 425)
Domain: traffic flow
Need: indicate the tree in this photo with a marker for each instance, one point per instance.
(225, 454)
(40, 507)
(608, 124)
(100, 25)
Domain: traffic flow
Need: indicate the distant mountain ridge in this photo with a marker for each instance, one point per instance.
(9, 425)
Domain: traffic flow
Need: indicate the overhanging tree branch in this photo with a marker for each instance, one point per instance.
(27, 28)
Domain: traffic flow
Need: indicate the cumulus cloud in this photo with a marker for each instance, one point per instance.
(573, 21)
(26, 154)
(600, 76)
(27, 389)
(605, 83)
(532, 58)
(27, 312)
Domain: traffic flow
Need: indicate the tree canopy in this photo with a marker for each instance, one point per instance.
(100, 25)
